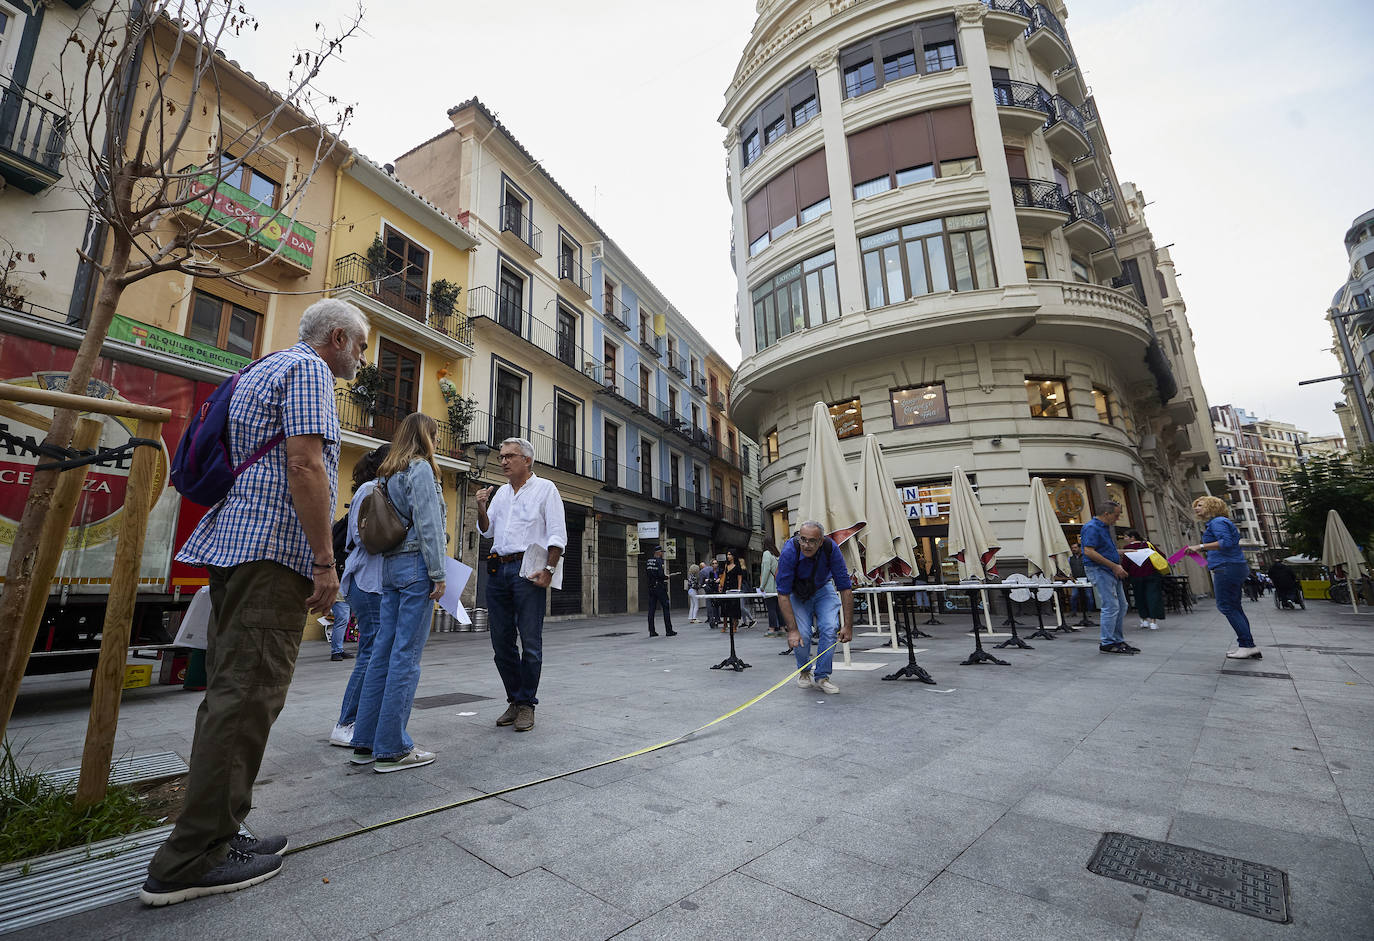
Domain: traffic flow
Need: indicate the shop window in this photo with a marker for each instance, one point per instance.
(848, 419)
(231, 325)
(1048, 398)
(922, 405)
(1117, 491)
(1069, 499)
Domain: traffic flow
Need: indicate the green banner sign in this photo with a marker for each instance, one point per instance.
(164, 341)
(238, 212)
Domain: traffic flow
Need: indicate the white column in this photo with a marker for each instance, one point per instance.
(827, 66)
(987, 132)
(744, 310)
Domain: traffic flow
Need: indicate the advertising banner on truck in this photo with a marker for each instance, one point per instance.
(89, 555)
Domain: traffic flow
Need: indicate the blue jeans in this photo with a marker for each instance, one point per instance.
(1111, 598)
(367, 608)
(515, 609)
(339, 629)
(822, 612)
(1227, 580)
(393, 671)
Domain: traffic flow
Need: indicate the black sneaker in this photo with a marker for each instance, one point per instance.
(1130, 648)
(1114, 648)
(266, 846)
(238, 871)
(671, 633)
(341, 655)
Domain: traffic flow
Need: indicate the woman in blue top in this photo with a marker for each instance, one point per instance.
(1221, 542)
(412, 579)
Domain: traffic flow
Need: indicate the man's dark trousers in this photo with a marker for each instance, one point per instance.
(658, 595)
(258, 612)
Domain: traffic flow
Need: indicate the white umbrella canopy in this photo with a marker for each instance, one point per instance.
(887, 537)
(1338, 548)
(1044, 544)
(827, 494)
(970, 541)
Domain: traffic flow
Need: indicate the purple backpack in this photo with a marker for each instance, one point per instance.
(203, 470)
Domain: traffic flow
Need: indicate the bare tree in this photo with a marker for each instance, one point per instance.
(146, 84)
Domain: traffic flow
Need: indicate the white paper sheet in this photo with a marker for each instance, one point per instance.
(1140, 556)
(456, 576)
(536, 557)
(195, 626)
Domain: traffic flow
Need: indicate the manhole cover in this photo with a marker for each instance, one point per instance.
(446, 699)
(1259, 673)
(617, 634)
(1224, 881)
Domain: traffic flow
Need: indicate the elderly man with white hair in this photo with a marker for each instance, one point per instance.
(270, 554)
(523, 514)
(815, 591)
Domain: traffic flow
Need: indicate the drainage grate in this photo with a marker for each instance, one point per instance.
(619, 634)
(446, 699)
(1259, 673)
(1307, 647)
(134, 769)
(1341, 652)
(1224, 881)
(1317, 627)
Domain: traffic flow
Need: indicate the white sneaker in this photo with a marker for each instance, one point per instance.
(825, 686)
(342, 736)
(1154, 626)
(1245, 653)
(1144, 625)
(804, 679)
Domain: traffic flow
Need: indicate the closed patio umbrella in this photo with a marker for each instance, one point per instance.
(1338, 548)
(1044, 544)
(972, 546)
(827, 494)
(887, 537)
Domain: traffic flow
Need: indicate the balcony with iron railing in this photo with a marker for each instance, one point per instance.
(1087, 229)
(33, 133)
(699, 383)
(617, 312)
(628, 392)
(379, 420)
(574, 275)
(651, 342)
(528, 237)
(485, 303)
(206, 203)
(405, 304)
(1105, 196)
(1006, 19)
(1021, 106)
(1066, 132)
(1040, 205)
(677, 363)
(1047, 40)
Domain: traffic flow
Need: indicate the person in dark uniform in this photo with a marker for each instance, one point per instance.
(658, 592)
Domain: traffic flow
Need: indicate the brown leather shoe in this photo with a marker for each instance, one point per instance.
(524, 718)
(509, 715)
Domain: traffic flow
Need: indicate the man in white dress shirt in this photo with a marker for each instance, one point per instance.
(525, 512)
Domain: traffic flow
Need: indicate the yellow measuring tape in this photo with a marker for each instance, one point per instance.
(563, 774)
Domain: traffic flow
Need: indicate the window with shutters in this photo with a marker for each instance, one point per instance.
(928, 257)
(791, 106)
(912, 148)
(925, 47)
(794, 197)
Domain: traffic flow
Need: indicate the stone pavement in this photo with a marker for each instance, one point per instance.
(891, 810)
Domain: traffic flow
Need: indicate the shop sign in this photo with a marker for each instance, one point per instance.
(238, 212)
(164, 341)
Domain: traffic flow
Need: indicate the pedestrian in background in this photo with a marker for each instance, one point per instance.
(1221, 541)
(268, 548)
(693, 586)
(362, 585)
(1102, 559)
(657, 571)
(732, 579)
(1147, 582)
(768, 581)
(412, 580)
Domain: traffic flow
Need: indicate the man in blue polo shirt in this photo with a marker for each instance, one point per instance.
(814, 590)
(1102, 560)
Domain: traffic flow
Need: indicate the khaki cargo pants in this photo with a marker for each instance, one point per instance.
(258, 612)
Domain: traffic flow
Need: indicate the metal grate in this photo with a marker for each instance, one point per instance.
(1260, 673)
(131, 770)
(1338, 652)
(1307, 647)
(76, 880)
(618, 634)
(446, 699)
(1234, 884)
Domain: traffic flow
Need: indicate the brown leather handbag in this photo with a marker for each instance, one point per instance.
(379, 522)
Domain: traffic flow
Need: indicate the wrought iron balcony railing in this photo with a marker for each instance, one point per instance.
(1042, 18)
(1038, 194)
(1064, 110)
(569, 270)
(1089, 110)
(402, 295)
(561, 345)
(651, 343)
(489, 303)
(1083, 207)
(677, 363)
(1103, 194)
(1017, 7)
(34, 132)
(1009, 94)
(699, 383)
(616, 312)
(513, 219)
(380, 419)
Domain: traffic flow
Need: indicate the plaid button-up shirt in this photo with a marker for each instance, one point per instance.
(291, 391)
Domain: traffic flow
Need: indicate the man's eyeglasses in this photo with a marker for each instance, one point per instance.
(509, 457)
(809, 541)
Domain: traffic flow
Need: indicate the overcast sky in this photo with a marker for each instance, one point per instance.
(1245, 122)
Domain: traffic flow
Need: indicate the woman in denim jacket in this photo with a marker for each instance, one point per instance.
(1221, 542)
(412, 579)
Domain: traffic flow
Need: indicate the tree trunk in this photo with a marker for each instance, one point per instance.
(24, 553)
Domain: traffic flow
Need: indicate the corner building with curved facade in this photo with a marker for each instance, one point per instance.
(930, 237)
